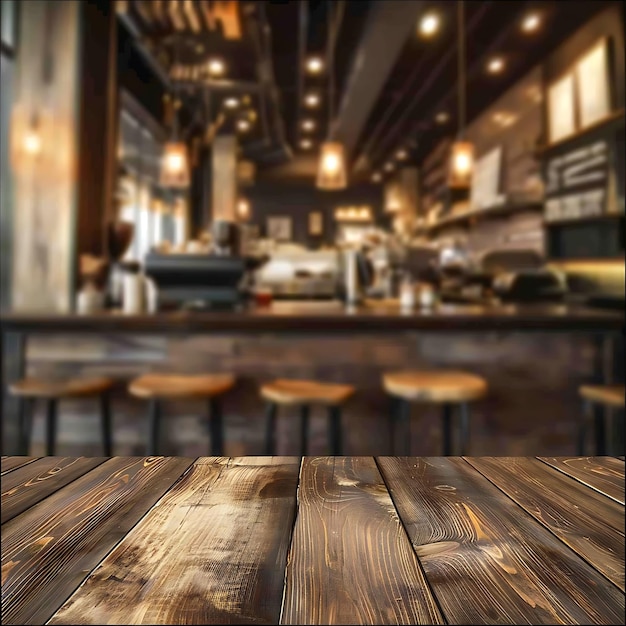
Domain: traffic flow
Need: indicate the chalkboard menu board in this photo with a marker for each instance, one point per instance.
(577, 182)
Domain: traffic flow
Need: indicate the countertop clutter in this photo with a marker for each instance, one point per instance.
(369, 316)
(313, 540)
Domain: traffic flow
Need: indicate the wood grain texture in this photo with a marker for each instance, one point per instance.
(10, 463)
(48, 550)
(586, 521)
(602, 473)
(33, 482)
(213, 551)
(486, 560)
(350, 561)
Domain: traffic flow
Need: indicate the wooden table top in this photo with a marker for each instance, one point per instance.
(329, 317)
(313, 540)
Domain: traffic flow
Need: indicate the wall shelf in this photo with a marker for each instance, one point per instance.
(464, 219)
(614, 121)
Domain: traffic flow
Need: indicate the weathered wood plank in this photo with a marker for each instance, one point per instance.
(350, 560)
(48, 550)
(10, 463)
(487, 560)
(213, 552)
(602, 473)
(33, 482)
(585, 520)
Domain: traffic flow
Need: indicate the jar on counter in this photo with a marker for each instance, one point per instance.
(133, 291)
(407, 293)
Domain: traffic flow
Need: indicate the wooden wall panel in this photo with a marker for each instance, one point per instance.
(45, 184)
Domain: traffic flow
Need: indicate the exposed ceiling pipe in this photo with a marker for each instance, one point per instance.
(302, 44)
(128, 22)
(389, 24)
(423, 90)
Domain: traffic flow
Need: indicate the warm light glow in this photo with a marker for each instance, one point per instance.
(32, 142)
(243, 125)
(216, 67)
(389, 166)
(306, 144)
(175, 167)
(531, 23)
(402, 155)
(231, 103)
(429, 24)
(243, 209)
(308, 125)
(332, 168)
(496, 65)
(314, 65)
(376, 177)
(312, 100)
(442, 117)
(462, 164)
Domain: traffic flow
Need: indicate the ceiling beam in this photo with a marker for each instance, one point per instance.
(389, 24)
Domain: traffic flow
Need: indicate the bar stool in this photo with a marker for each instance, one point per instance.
(28, 390)
(596, 399)
(304, 393)
(159, 387)
(448, 388)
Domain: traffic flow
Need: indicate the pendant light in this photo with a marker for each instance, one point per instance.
(462, 154)
(175, 164)
(331, 173)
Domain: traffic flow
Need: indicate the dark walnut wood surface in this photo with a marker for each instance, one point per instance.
(315, 317)
(313, 540)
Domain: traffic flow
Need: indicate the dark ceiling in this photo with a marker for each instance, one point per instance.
(265, 69)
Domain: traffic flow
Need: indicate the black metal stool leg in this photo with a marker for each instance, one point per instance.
(217, 427)
(465, 417)
(154, 417)
(404, 415)
(600, 429)
(105, 416)
(582, 428)
(25, 416)
(393, 418)
(447, 429)
(51, 426)
(304, 428)
(334, 430)
(270, 428)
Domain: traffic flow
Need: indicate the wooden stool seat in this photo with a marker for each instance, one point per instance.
(435, 386)
(610, 395)
(158, 387)
(600, 402)
(164, 386)
(71, 388)
(29, 390)
(289, 392)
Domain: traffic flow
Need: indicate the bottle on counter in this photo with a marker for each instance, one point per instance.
(89, 299)
(407, 293)
(134, 289)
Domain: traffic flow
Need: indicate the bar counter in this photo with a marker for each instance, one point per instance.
(330, 317)
(313, 540)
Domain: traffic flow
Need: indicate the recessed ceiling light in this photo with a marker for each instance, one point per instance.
(376, 177)
(389, 166)
(496, 65)
(231, 103)
(308, 125)
(312, 100)
(429, 24)
(401, 155)
(305, 144)
(442, 117)
(314, 65)
(531, 23)
(243, 125)
(216, 67)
